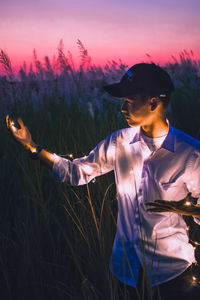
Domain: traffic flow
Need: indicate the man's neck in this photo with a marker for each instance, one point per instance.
(156, 129)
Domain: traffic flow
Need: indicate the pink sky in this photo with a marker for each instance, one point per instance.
(114, 29)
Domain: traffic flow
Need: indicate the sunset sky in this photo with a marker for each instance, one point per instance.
(112, 29)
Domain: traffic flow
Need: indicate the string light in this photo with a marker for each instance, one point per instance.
(188, 203)
(194, 278)
(194, 242)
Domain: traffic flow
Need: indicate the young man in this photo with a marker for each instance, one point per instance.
(151, 161)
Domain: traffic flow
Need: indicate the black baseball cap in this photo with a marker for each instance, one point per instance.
(142, 78)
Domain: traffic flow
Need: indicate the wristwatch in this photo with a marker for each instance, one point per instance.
(34, 153)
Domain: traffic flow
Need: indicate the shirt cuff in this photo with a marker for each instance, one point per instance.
(58, 169)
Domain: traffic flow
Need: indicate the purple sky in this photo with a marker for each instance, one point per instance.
(109, 29)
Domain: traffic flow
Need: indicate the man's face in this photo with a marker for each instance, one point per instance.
(136, 111)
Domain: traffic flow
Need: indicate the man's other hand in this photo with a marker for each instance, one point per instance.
(183, 207)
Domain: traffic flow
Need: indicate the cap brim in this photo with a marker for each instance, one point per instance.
(115, 90)
(119, 90)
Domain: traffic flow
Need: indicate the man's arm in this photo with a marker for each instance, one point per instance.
(82, 170)
(77, 172)
(47, 158)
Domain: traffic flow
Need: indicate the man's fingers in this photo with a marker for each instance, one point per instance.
(19, 120)
(8, 122)
(188, 197)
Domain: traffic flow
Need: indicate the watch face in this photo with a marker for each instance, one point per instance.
(34, 155)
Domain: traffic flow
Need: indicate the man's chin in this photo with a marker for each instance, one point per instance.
(131, 123)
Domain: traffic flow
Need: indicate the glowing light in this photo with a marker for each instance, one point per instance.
(196, 243)
(93, 180)
(70, 155)
(188, 228)
(13, 126)
(195, 248)
(187, 203)
(194, 278)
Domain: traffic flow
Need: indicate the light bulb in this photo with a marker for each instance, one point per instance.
(194, 278)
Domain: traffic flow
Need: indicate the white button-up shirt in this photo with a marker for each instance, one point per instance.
(158, 241)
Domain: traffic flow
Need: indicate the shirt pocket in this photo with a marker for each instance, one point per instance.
(168, 185)
(173, 190)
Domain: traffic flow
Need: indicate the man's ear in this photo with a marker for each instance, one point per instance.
(154, 103)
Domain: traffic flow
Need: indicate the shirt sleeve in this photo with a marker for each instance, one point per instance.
(193, 182)
(82, 170)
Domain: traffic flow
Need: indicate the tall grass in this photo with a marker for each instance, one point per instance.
(56, 240)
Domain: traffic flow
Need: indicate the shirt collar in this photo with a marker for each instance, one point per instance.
(168, 143)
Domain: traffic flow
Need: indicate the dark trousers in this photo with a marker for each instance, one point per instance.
(184, 287)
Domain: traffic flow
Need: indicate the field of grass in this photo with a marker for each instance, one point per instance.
(56, 240)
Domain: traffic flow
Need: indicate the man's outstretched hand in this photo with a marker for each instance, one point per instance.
(183, 207)
(21, 135)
